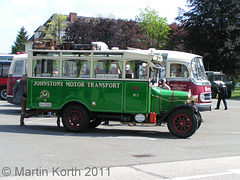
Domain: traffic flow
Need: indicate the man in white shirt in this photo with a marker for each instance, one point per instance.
(164, 85)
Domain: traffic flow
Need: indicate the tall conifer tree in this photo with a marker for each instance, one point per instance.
(22, 37)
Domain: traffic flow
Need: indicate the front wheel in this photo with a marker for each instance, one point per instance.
(182, 123)
(3, 93)
(75, 118)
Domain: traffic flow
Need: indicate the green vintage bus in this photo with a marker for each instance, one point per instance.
(86, 87)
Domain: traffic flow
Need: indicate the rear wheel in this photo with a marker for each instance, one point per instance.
(3, 93)
(75, 118)
(182, 123)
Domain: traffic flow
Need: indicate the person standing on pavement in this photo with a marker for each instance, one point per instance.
(222, 94)
(20, 95)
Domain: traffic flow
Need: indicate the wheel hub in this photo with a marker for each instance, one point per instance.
(75, 118)
(182, 123)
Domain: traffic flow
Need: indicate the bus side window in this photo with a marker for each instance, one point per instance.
(107, 69)
(37, 68)
(76, 68)
(0, 70)
(173, 70)
(5, 70)
(179, 70)
(185, 72)
(136, 70)
(129, 73)
(46, 68)
(55, 67)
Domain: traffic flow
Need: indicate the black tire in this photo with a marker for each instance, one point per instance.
(3, 93)
(75, 118)
(94, 123)
(182, 123)
(199, 124)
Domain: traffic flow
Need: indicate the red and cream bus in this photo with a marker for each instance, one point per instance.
(4, 68)
(185, 72)
(5, 62)
(17, 69)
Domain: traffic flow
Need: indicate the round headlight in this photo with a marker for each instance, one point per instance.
(195, 98)
(201, 97)
(140, 118)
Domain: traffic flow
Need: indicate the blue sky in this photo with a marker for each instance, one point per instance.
(32, 13)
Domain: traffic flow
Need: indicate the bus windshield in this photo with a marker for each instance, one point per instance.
(198, 69)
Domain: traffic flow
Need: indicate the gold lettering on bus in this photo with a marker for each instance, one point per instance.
(48, 83)
(75, 84)
(103, 85)
(78, 84)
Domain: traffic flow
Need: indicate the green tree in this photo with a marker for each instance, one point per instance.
(213, 31)
(115, 33)
(175, 41)
(22, 37)
(156, 27)
(54, 28)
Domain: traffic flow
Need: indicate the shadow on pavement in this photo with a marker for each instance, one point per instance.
(97, 132)
(11, 111)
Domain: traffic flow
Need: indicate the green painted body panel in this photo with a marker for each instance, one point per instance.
(96, 95)
(102, 96)
(163, 100)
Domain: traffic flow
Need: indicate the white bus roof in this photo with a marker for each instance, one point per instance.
(176, 55)
(17, 58)
(12, 56)
(127, 54)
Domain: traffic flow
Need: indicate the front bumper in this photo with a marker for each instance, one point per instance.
(204, 106)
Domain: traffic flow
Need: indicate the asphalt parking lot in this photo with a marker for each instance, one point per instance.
(42, 150)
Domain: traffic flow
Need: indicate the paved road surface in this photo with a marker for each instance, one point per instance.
(119, 151)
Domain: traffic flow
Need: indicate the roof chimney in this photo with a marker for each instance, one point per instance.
(72, 17)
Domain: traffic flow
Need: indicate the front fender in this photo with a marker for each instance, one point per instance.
(182, 106)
